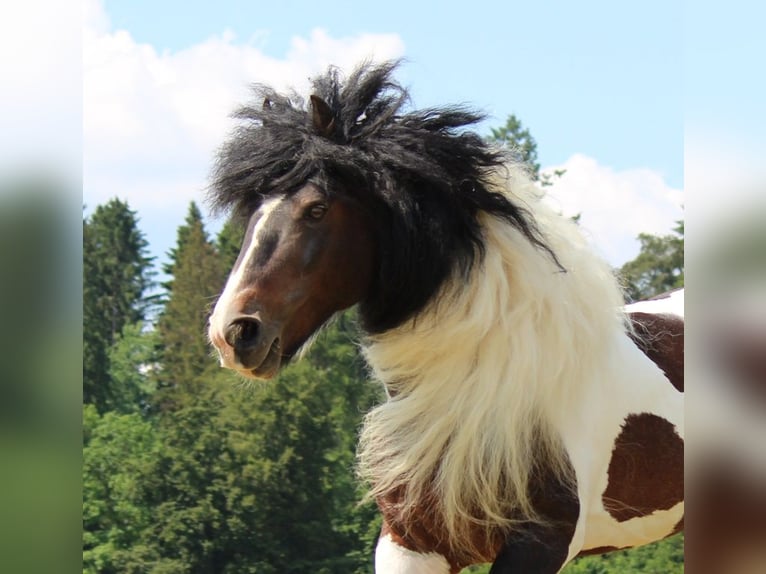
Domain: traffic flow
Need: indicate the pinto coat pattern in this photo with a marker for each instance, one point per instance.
(530, 417)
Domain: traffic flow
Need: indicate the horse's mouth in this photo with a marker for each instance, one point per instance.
(271, 363)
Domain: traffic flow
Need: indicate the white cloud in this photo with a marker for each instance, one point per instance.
(615, 206)
(153, 120)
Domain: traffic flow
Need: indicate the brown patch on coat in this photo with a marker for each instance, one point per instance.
(661, 338)
(529, 549)
(418, 538)
(646, 472)
(421, 533)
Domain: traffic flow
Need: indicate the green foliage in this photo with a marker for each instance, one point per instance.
(116, 275)
(478, 569)
(133, 359)
(121, 454)
(219, 475)
(663, 557)
(514, 136)
(192, 221)
(228, 242)
(198, 278)
(658, 267)
(300, 467)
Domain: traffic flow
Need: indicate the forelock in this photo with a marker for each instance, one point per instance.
(422, 173)
(275, 146)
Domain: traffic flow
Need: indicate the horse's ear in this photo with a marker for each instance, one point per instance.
(322, 116)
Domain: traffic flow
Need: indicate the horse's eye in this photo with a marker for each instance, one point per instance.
(316, 212)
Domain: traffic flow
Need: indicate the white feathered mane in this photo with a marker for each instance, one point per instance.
(475, 380)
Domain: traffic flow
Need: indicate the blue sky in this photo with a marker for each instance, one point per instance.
(724, 81)
(600, 78)
(599, 84)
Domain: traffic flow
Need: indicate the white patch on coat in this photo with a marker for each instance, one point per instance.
(590, 430)
(673, 304)
(390, 558)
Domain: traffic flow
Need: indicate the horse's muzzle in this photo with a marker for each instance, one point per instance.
(250, 346)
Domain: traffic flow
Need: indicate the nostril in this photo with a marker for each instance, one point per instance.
(242, 333)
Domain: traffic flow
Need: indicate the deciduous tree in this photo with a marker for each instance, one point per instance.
(659, 266)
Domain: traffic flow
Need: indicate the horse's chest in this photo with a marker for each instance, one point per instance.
(530, 548)
(422, 533)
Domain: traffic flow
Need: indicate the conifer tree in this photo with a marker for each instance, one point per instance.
(116, 276)
(514, 136)
(182, 236)
(523, 146)
(197, 278)
(229, 241)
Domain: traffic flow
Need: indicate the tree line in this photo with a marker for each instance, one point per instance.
(187, 469)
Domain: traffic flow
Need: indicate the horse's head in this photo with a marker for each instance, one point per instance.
(306, 255)
(347, 200)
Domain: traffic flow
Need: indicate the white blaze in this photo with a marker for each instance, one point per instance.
(235, 283)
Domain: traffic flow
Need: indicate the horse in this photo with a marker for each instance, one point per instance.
(530, 416)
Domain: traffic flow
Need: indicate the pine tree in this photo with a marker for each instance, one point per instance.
(197, 279)
(193, 216)
(516, 138)
(229, 241)
(116, 276)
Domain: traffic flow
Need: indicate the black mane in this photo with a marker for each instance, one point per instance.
(423, 177)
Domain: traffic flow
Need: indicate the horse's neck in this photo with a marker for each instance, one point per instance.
(479, 380)
(517, 325)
